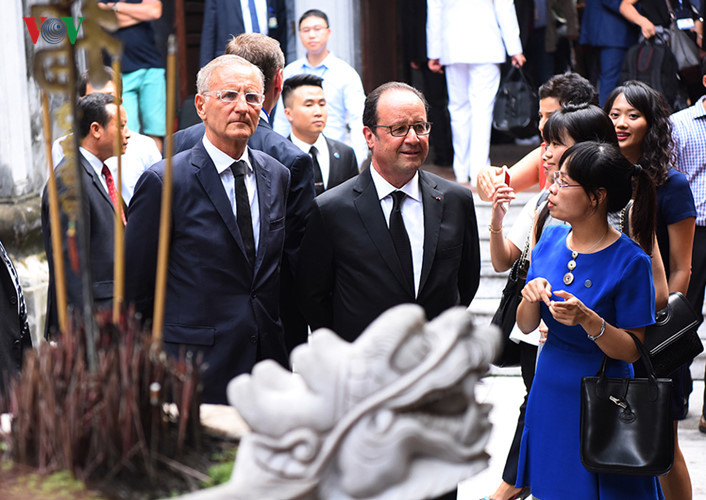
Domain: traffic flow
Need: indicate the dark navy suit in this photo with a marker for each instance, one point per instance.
(215, 302)
(300, 197)
(224, 18)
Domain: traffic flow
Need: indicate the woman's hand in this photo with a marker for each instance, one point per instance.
(486, 182)
(537, 290)
(569, 312)
(543, 332)
(502, 195)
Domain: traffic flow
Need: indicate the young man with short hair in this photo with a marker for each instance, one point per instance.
(305, 108)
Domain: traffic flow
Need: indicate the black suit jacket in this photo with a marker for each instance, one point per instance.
(299, 199)
(99, 216)
(215, 303)
(348, 270)
(224, 18)
(342, 164)
(14, 331)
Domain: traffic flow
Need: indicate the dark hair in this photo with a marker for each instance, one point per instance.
(85, 79)
(657, 154)
(296, 81)
(583, 122)
(260, 50)
(601, 166)
(91, 108)
(703, 67)
(370, 110)
(313, 13)
(569, 88)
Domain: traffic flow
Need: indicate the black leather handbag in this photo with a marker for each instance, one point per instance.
(626, 424)
(516, 106)
(506, 314)
(673, 340)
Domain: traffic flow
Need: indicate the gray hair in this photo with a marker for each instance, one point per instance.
(203, 79)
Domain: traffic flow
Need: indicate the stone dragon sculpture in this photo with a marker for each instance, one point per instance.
(392, 415)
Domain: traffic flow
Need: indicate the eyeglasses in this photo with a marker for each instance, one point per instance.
(315, 29)
(421, 128)
(251, 98)
(561, 182)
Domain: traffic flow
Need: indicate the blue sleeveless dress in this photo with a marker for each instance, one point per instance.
(616, 283)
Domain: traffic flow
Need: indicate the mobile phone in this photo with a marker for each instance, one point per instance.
(506, 175)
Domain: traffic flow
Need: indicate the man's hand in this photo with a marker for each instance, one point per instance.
(518, 60)
(435, 66)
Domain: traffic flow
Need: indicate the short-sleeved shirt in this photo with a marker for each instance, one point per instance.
(674, 203)
(139, 46)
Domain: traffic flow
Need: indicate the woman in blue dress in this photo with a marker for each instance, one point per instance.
(589, 283)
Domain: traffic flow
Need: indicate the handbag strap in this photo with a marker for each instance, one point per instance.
(644, 356)
(671, 11)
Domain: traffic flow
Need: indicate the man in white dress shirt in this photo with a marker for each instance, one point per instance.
(470, 40)
(305, 108)
(343, 87)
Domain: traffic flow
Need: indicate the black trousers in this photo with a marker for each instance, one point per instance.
(528, 360)
(697, 283)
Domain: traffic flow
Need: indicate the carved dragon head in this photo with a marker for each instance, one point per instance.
(391, 415)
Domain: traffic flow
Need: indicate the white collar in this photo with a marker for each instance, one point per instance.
(384, 188)
(221, 160)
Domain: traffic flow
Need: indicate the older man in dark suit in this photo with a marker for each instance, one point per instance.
(228, 213)
(305, 108)
(265, 53)
(392, 235)
(99, 122)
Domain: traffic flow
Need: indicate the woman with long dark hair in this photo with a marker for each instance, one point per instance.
(641, 119)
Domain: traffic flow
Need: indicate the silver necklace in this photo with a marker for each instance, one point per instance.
(569, 277)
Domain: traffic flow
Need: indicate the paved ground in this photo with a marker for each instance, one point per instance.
(506, 393)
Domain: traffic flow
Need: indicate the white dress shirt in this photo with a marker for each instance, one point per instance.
(322, 156)
(412, 215)
(141, 153)
(97, 167)
(345, 99)
(223, 162)
(261, 8)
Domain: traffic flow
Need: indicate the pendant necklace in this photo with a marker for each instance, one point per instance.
(569, 277)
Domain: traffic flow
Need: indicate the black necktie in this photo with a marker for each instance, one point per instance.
(242, 207)
(400, 238)
(318, 176)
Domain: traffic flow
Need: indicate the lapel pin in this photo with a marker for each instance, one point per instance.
(336, 155)
(438, 198)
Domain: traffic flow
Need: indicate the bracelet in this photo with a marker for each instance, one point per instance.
(596, 337)
(492, 230)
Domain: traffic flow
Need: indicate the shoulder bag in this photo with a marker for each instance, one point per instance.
(506, 315)
(685, 51)
(516, 106)
(626, 423)
(673, 340)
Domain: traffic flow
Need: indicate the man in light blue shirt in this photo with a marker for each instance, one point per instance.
(689, 133)
(343, 87)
